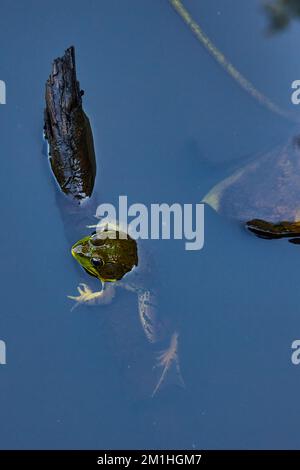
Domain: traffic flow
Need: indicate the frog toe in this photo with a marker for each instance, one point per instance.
(84, 289)
(87, 296)
(168, 363)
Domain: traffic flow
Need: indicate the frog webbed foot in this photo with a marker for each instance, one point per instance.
(90, 297)
(168, 361)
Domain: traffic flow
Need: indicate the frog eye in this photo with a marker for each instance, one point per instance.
(97, 262)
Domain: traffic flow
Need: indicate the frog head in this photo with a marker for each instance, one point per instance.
(107, 255)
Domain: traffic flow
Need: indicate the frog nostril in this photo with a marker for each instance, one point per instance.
(97, 262)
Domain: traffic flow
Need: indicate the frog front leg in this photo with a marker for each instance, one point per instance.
(90, 297)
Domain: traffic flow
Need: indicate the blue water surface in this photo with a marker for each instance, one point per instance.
(168, 123)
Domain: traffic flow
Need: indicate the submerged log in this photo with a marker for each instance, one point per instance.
(68, 130)
(270, 230)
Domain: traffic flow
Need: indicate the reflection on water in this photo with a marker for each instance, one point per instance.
(266, 188)
(168, 124)
(243, 82)
(281, 13)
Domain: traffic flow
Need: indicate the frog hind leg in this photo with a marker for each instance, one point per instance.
(147, 308)
(89, 297)
(168, 361)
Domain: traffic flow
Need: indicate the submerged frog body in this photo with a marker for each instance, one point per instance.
(110, 255)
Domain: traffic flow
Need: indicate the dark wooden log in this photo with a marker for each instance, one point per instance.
(68, 130)
(270, 230)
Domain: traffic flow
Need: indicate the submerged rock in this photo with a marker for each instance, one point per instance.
(264, 194)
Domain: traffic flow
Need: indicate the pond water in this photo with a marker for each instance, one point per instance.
(168, 123)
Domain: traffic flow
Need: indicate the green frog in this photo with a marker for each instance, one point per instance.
(111, 255)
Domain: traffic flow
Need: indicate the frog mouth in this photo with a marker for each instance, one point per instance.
(75, 252)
